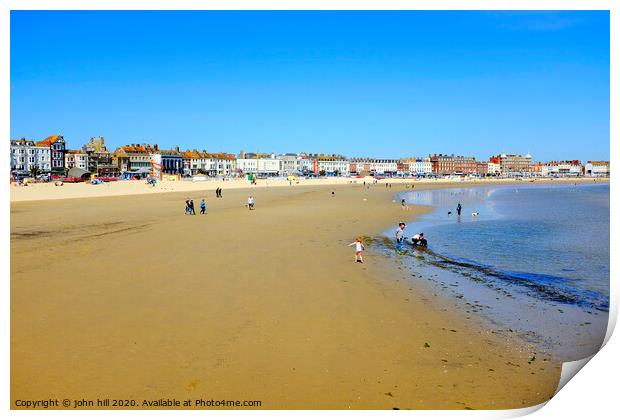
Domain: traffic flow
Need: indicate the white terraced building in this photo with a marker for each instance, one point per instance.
(339, 167)
(564, 168)
(366, 166)
(289, 163)
(597, 168)
(416, 166)
(76, 159)
(267, 166)
(25, 155)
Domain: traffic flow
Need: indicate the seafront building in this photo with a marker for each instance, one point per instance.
(330, 165)
(564, 168)
(258, 164)
(415, 166)
(100, 160)
(493, 168)
(134, 159)
(76, 159)
(513, 165)
(290, 164)
(371, 166)
(210, 164)
(56, 145)
(442, 164)
(482, 168)
(465, 165)
(25, 155)
(597, 168)
(140, 160)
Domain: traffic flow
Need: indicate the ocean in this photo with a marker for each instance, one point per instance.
(532, 259)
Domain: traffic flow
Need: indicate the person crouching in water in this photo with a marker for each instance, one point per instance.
(419, 240)
(359, 247)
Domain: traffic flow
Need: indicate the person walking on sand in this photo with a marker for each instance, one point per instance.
(203, 207)
(459, 208)
(191, 207)
(187, 209)
(359, 247)
(250, 203)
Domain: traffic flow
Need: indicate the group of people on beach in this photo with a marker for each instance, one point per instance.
(189, 203)
(189, 207)
(417, 239)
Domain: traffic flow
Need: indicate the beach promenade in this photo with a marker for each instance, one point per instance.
(124, 296)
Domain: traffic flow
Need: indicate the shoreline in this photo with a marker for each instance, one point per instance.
(504, 308)
(255, 324)
(48, 191)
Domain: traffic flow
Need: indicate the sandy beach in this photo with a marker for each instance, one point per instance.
(123, 296)
(48, 191)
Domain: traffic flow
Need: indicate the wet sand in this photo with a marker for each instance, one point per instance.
(126, 297)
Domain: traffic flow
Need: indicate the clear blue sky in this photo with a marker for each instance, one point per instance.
(383, 84)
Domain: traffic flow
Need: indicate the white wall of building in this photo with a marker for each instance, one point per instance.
(25, 155)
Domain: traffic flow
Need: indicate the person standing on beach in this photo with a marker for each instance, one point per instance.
(458, 209)
(191, 207)
(187, 209)
(359, 247)
(203, 207)
(400, 235)
(250, 203)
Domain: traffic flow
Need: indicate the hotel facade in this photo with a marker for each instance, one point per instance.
(25, 155)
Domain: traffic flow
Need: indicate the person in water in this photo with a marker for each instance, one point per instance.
(419, 240)
(400, 235)
(459, 208)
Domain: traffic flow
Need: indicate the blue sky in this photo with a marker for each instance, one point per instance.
(383, 84)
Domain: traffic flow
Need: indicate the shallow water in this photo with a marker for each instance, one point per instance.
(535, 258)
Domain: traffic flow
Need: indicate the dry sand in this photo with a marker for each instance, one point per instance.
(126, 297)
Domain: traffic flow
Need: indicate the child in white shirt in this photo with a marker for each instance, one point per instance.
(359, 247)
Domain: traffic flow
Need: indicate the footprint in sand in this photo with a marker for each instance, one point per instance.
(193, 385)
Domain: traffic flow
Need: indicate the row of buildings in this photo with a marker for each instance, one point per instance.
(139, 160)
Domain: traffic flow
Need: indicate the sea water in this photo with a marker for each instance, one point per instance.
(528, 258)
